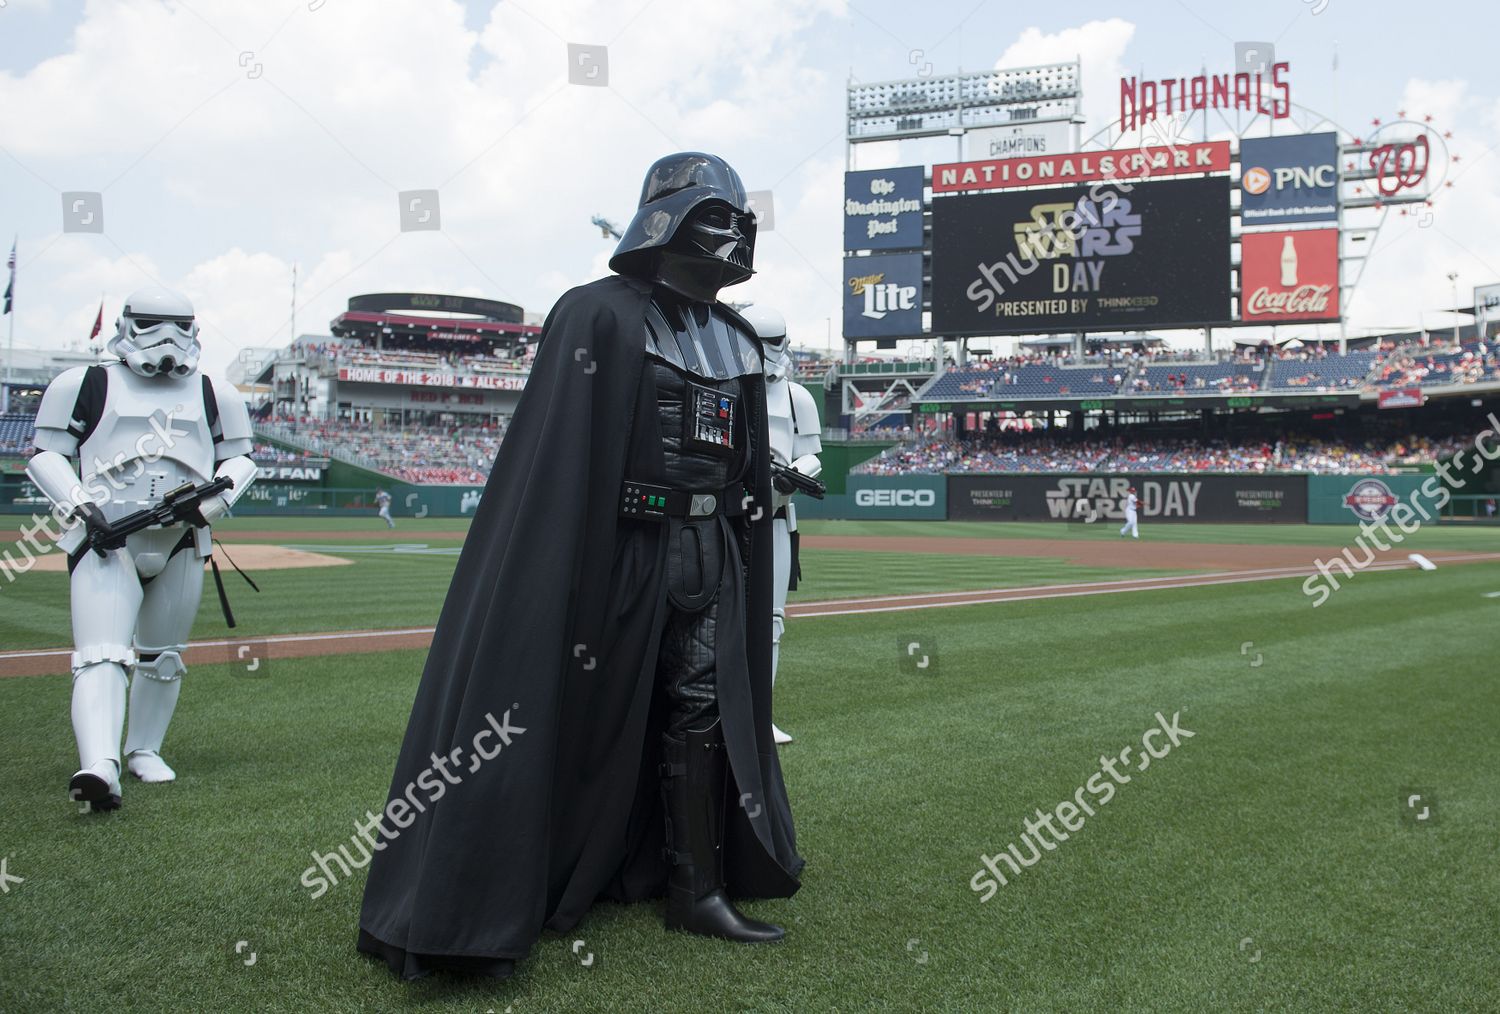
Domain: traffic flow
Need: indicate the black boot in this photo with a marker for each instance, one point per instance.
(695, 775)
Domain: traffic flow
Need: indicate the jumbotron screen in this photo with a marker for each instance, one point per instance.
(1082, 258)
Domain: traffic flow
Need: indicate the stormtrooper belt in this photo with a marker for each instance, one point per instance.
(644, 501)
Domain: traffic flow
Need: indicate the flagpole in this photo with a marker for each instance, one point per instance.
(10, 359)
(10, 345)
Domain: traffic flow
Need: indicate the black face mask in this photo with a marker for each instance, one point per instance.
(711, 250)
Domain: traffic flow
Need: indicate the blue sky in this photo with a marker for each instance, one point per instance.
(217, 178)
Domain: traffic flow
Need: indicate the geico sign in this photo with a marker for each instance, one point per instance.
(895, 498)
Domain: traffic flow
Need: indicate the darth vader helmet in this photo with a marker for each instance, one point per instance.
(694, 231)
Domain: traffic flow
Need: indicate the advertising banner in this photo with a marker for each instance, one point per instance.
(1100, 499)
(1289, 276)
(1126, 165)
(423, 378)
(883, 497)
(289, 473)
(1400, 397)
(1070, 259)
(883, 209)
(1289, 179)
(1362, 499)
(883, 295)
(1042, 137)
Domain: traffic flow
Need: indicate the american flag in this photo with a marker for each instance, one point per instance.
(10, 289)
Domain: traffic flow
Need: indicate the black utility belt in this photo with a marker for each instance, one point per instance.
(646, 501)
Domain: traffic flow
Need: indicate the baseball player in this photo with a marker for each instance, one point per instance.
(111, 440)
(1132, 505)
(383, 501)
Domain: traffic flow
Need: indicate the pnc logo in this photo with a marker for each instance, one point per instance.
(895, 498)
(1255, 180)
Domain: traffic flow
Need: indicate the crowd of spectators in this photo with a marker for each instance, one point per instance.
(16, 433)
(1413, 367)
(268, 454)
(1243, 370)
(448, 453)
(1022, 452)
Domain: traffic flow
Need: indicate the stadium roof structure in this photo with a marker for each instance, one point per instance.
(421, 317)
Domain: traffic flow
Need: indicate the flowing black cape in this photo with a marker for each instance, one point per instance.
(554, 615)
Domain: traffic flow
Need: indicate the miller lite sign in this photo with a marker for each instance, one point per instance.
(883, 296)
(1289, 276)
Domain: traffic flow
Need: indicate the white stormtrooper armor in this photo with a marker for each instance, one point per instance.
(792, 416)
(110, 441)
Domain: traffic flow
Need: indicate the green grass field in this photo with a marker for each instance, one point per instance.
(1269, 862)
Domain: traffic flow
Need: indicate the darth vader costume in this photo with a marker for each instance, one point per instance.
(613, 600)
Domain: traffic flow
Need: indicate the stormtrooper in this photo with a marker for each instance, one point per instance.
(796, 442)
(113, 440)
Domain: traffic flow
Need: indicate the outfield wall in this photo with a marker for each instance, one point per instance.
(1234, 498)
(1075, 497)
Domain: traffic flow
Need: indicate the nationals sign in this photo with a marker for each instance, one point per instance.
(1289, 276)
(1130, 164)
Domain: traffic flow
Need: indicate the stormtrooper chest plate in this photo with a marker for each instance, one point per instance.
(152, 436)
(779, 420)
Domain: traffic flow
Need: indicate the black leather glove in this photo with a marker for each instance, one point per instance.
(101, 534)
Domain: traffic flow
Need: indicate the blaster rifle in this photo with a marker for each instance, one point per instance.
(181, 504)
(799, 481)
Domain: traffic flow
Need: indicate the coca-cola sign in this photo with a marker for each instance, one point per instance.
(1303, 301)
(1289, 276)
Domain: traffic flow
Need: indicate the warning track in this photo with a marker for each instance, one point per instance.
(247, 651)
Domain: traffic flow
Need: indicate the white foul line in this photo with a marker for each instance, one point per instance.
(923, 600)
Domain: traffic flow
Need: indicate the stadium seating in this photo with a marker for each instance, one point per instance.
(1038, 452)
(1028, 380)
(1187, 379)
(1328, 373)
(16, 433)
(421, 454)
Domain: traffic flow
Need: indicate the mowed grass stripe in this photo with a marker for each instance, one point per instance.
(403, 590)
(1278, 822)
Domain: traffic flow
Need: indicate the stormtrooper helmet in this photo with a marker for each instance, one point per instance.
(156, 334)
(769, 324)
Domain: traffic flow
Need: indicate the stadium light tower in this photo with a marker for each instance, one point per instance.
(606, 227)
(1453, 284)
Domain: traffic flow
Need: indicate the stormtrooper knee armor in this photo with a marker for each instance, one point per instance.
(111, 440)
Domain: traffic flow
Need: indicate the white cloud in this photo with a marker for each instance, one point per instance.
(1099, 46)
(216, 182)
(217, 177)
